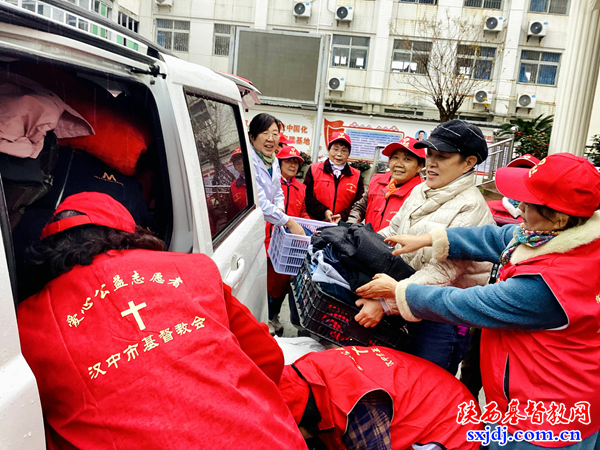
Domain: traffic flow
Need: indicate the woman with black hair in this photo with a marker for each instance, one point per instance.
(133, 347)
(264, 136)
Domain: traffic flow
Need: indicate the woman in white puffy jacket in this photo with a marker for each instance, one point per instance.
(448, 198)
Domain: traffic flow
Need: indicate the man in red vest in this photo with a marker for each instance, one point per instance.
(332, 186)
(376, 398)
(133, 347)
(388, 191)
(293, 193)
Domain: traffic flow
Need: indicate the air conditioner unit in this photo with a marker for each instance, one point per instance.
(526, 101)
(344, 13)
(164, 2)
(336, 84)
(493, 23)
(482, 97)
(538, 29)
(301, 9)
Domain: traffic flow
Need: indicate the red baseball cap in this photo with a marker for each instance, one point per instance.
(95, 209)
(340, 136)
(288, 152)
(526, 160)
(236, 153)
(562, 181)
(407, 143)
(284, 140)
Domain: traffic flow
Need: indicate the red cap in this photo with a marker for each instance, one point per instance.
(236, 153)
(288, 152)
(340, 136)
(524, 161)
(407, 143)
(96, 209)
(284, 140)
(562, 181)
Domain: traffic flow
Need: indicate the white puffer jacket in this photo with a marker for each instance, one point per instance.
(458, 204)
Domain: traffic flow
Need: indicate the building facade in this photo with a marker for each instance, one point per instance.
(378, 53)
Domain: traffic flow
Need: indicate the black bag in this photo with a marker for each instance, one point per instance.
(26, 179)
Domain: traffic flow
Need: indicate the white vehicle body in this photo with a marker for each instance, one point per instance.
(237, 248)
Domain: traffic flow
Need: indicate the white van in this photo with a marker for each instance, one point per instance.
(181, 185)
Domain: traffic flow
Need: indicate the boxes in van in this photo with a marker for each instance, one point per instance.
(164, 133)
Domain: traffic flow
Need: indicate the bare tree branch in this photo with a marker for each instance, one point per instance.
(445, 64)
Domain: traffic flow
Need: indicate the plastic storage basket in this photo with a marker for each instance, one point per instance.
(287, 251)
(333, 320)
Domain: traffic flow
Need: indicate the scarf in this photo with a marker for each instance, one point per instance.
(391, 188)
(337, 170)
(268, 160)
(529, 238)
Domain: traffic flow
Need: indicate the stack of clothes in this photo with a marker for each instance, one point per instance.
(345, 257)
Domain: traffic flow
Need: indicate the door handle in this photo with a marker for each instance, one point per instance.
(235, 275)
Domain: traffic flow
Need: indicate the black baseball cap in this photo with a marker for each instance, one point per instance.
(457, 136)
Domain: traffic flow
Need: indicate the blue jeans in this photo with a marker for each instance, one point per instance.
(439, 343)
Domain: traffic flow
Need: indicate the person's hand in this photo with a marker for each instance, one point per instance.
(336, 218)
(370, 314)
(294, 228)
(382, 286)
(328, 216)
(410, 243)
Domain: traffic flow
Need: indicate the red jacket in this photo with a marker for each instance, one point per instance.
(425, 397)
(381, 210)
(560, 365)
(146, 349)
(335, 198)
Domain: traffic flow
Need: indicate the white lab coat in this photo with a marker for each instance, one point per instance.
(270, 194)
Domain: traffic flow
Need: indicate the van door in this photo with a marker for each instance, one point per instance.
(21, 422)
(229, 225)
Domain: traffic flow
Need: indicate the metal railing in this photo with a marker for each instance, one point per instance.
(499, 155)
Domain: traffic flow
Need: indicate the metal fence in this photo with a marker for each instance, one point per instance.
(499, 155)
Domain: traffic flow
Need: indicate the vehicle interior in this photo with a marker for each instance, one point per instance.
(125, 158)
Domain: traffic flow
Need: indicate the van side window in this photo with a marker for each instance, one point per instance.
(223, 160)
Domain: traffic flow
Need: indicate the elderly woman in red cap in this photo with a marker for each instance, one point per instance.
(540, 345)
(134, 347)
(388, 191)
(332, 186)
(293, 193)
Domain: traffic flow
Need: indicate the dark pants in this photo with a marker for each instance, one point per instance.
(275, 306)
(470, 371)
(439, 343)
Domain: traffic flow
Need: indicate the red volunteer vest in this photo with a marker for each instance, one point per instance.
(294, 194)
(561, 366)
(381, 210)
(338, 198)
(425, 397)
(239, 194)
(146, 349)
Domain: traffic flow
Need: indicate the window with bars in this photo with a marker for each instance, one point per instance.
(474, 61)
(539, 67)
(128, 22)
(487, 4)
(550, 6)
(173, 34)
(410, 56)
(222, 39)
(350, 51)
(422, 2)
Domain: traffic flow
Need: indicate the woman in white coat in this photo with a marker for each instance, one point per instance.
(264, 137)
(448, 198)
